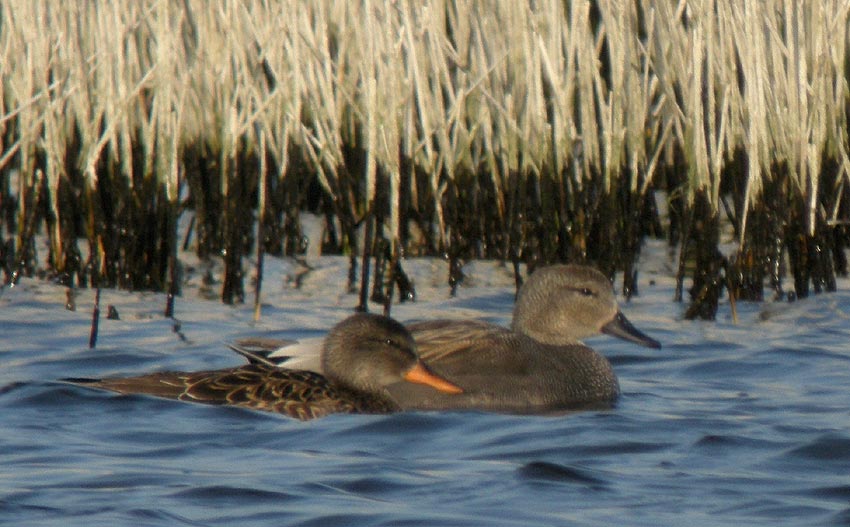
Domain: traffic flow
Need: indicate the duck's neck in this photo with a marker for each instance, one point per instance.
(552, 336)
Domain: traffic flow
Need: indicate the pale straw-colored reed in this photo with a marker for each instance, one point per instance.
(580, 92)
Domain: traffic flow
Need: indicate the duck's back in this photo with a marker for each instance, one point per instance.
(501, 370)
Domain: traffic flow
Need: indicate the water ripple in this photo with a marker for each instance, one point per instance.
(829, 447)
(545, 471)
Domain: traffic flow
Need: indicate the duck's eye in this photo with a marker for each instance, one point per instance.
(586, 292)
(389, 342)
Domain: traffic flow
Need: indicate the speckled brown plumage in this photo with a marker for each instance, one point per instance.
(361, 356)
(296, 393)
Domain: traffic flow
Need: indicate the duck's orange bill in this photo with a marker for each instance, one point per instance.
(421, 375)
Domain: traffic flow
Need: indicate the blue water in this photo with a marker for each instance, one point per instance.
(745, 424)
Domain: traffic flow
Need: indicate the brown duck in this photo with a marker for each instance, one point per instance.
(361, 356)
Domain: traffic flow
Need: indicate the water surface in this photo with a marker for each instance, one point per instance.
(726, 424)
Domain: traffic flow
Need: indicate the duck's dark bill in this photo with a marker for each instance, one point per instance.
(419, 374)
(622, 328)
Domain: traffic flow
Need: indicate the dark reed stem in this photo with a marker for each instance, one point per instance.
(363, 304)
(394, 265)
(95, 320)
(261, 236)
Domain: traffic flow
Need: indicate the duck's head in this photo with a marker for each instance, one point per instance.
(369, 352)
(562, 304)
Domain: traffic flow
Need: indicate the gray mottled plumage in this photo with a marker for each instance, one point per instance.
(538, 365)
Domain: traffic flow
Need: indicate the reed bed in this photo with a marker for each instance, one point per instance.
(527, 131)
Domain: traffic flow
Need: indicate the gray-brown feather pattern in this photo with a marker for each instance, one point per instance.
(296, 393)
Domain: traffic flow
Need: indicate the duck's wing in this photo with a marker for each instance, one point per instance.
(257, 350)
(440, 342)
(296, 393)
(302, 354)
(436, 340)
(301, 394)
